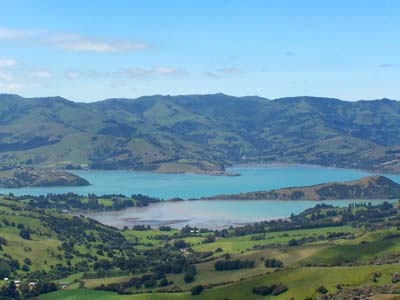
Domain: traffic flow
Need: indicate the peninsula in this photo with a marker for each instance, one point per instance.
(33, 177)
(366, 188)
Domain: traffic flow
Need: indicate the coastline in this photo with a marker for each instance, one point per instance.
(228, 173)
(254, 177)
(212, 214)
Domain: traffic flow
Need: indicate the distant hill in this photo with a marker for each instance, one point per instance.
(199, 133)
(23, 177)
(367, 188)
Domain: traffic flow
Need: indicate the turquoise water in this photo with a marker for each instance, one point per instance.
(193, 186)
(211, 214)
(207, 213)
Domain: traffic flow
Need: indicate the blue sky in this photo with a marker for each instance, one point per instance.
(92, 50)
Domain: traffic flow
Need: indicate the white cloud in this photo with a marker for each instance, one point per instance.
(156, 71)
(7, 62)
(13, 87)
(166, 70)
(43, 74)
(127, 73)
(12, 34)
(91, 74)
(78, 43)
(72, 74)
(5, 76)
(231, 71)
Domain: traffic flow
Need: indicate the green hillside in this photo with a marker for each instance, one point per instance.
(367, 188)
(340, 249)
(199, 133)
(22, 177)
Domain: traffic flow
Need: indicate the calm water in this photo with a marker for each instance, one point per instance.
(207, 213)
(186, 186)
(202, 213)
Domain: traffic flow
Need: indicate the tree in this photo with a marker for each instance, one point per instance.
(25, 233)
(273, 263)
(322, 289)
(209, 239)
(196, 290)
(275, 289)
(163, 282)
(25, 268)
(81, 284)
(179, 244)
(190, 273)
(104, 264)
(4, 270)
(150, 283)
(10, 291)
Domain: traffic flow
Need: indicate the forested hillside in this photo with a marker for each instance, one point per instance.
(199, 133)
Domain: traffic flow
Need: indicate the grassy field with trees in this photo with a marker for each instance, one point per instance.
(322, 251)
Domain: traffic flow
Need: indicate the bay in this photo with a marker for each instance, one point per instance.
(201, 213)
(166, 186)
(212, 214)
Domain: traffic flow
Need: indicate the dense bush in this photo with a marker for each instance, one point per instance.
(396, 278)
(25, 234)
(196, 290)
(322, 289)
(273, 263)
(222, 265)
(190, 273)
(275, 289)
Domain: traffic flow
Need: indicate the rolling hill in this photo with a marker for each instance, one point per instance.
(43, 249)
(199, 133)
(367, 188)
(23, 177)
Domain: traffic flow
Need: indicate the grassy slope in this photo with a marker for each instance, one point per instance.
(100, 295)
(301, 280)
(39, 244)
(370, 187)
(193, 133)
(242, 243)
(364, 248)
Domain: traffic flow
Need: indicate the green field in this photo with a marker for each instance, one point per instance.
(302, 282)
(313, 249)
(99, 295)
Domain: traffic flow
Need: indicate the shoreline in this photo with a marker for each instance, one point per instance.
(235, 214)
(233, 167)
(255, 177)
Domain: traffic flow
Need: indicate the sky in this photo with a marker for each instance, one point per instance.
(93, 50)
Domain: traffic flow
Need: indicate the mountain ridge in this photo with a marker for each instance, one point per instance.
(199, 133)
(2, 95)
